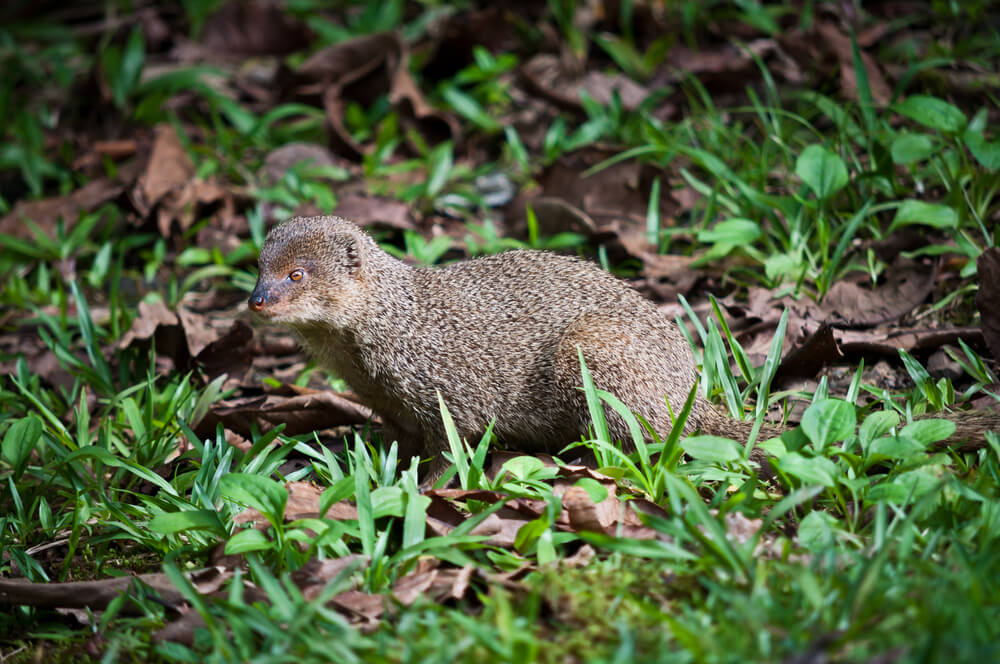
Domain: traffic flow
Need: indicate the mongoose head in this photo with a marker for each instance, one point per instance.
(310, 272)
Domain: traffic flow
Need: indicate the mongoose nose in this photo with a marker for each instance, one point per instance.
(256, 302)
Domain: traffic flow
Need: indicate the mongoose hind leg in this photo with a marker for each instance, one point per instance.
(634, 358)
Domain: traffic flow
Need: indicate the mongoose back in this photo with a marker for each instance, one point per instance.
(497, 337)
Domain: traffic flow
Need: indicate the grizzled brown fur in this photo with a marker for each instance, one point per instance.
(496, 336)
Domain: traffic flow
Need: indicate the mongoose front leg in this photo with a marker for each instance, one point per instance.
(409, 443)
(426, 443)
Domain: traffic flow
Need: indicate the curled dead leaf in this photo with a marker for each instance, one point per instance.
(850, 304)
(361, 69)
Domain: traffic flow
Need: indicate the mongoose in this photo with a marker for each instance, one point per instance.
(497, 337)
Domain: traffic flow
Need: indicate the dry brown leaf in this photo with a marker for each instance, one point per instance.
(25, 343)
(169, 168)
(583, 556)
(413, 585)
(186, 335)
(549, 76)
(152, 315)
(362, 69)
(819, 350)
(168, 185)
(729, 66)
(840, 45)
(555, 215)
(46, 212)
(313, 577)
(230, 354)
(114, 150)
(368, 210)
(889, 342)
(499, 528)
(180, 630)
(242, 28)
(667, 275)
(849, 303)
(198, 330)
(587, 516)
(740, 528)
(460, 583)
(282, 159)
(364, 608)
(606, 201)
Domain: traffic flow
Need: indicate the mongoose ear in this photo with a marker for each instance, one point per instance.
(350, 252)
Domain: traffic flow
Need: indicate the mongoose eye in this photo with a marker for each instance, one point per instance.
(297, 274)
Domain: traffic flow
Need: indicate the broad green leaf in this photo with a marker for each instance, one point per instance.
(342, 489)
(905, 487)
(177, 522)
(614, 472)
(595, 490)
(794, 439)
(773, 447)
(264, 495)
(932, 112)
(246, 540)
(711, 448)
(896, 447)
(523, 467)
(822, 170)
(907, 148)
(440, 162)
(469, 108)
(875, 425)
(529, 532)
(934, 215)
(546, 549)
(817, 530)
(812, 470)
(929, 431)
(415, 521)
(20, 440)
(986, 152)
(828, 421)
(732, 232)
(780, 266)
(387, 501)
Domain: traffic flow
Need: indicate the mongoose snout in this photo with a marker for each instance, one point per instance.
(268, 291)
